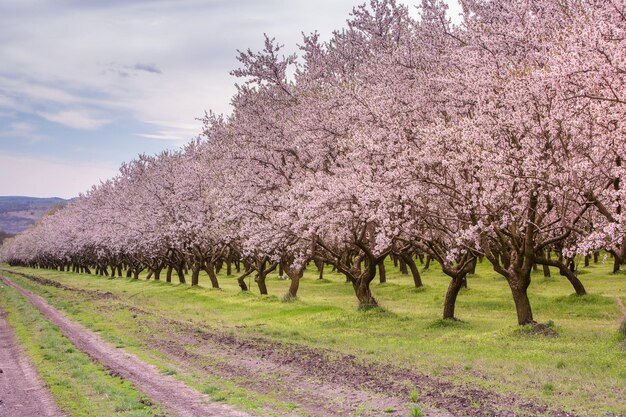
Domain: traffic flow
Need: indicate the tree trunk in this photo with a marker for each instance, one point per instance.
(572, 278)
(427, 264)
(566, 271)
(195, 274)
(450, 302)
(403, 265)
(260, 280)
(242, 279)
(129, 273)
(522, 303)
(181, 275)
(596, 257)
(209, 268)
(293, 287)
(229, 268)
(363, 291)
(382, 272)
(168, 274)
(320, 268)
(417, 278)
(157, 273)
(365, 297)
(587, 259)
(546, 271)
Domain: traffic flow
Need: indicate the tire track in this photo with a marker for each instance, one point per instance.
(174, 395)
(22, 392)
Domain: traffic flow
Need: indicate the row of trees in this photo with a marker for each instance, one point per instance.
(502, 137)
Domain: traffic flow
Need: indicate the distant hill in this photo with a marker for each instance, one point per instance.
(18, 213)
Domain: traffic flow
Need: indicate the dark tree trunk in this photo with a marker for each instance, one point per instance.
(129, 273)
(320, 268)
(427, 264)
(450, 302)
(229, 268)
(417, 278)
(119, 270)
(242, 279)
(295, 274)
(293, 287)
(181, 275)
(596, 257)
(382, 272)
(522, 303)
(365, 297)
(195, 274)
(587, 259)
(403, 265)
(567, 271)
(168, 274)
(260, 280)
(362, 285)
(209, 268)
(157, 273)
(546, 271)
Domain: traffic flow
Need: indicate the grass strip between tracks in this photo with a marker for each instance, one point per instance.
(80, 387)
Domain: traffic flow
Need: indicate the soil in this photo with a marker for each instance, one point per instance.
(22, 392)
(320, 381)
(172, 394)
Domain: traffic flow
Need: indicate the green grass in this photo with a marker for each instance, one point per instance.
(584, 364)
(79, 386)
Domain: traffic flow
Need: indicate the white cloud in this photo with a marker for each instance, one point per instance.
(36, 177)
(76, 119)
(23, 130)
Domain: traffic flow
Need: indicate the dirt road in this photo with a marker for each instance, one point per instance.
(22, 393)
(172, 394)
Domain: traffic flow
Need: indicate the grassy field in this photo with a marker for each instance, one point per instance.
(80, 387)
(583, 369)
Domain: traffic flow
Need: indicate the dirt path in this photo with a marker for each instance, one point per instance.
(22, 393)
(172, 394)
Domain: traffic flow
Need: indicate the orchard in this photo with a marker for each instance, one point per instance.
(499, 139)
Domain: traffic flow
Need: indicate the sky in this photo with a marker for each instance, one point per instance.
(88, 84)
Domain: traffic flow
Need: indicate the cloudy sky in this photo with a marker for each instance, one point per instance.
(88, 84)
